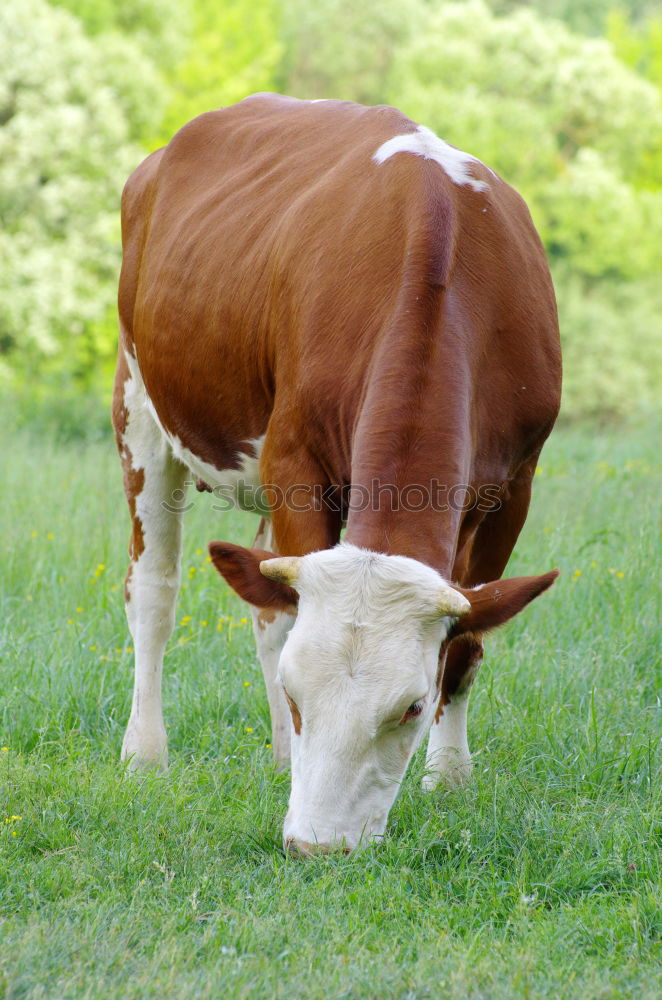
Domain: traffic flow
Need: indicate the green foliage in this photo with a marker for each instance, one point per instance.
(159, 27)
(344, 49)
(591, 219)
(573, 122)
(68, 111)
(612, 345)
(541, 880)
(637, 45)
(586, 17)
(233, 51)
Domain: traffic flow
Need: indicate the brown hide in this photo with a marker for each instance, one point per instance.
(371, 321)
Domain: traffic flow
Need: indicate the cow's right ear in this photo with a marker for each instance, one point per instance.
(240, 568)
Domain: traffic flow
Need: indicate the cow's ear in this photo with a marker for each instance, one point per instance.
(495, 603)
(240, 567)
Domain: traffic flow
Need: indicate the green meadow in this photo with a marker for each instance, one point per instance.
(541, 879)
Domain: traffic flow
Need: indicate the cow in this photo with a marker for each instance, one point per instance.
(341, 322)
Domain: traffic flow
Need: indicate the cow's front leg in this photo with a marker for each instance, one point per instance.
(154, 486)
(448, 758)
(271, 627)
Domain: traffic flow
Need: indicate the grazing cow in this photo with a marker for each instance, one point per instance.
(335, 318)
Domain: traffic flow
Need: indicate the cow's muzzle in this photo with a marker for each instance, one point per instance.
(304, 849)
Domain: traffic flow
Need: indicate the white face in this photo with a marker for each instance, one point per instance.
(360, 669)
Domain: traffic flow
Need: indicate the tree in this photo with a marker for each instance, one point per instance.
(159, 27)
(586, 17)
(340, 48)
(68, 110)
(233, 50)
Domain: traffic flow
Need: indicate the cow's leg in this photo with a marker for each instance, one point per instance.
(154, 487)
(448, 757)
(271, 628)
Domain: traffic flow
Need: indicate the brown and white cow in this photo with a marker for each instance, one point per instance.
(317, 296)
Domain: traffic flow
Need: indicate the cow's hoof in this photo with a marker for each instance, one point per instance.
(145, 751)
(451, 772)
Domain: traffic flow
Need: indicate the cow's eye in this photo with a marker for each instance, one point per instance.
(413, 711)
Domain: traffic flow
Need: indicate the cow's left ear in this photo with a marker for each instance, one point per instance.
(495, 603)
(240, 567)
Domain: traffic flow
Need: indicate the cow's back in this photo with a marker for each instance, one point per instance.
(270, 262)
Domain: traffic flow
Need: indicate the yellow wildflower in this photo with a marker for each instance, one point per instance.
(185, 620)
(249, 729)
(247, 684)
(50, 536)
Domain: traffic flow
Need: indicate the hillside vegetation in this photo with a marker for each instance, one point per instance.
(563, 99)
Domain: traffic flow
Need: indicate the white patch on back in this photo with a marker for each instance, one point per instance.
(423, 142)
(238, 485)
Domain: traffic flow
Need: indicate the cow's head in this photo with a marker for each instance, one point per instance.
(360, 671)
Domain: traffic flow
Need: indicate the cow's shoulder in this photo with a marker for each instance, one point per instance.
(139, 186)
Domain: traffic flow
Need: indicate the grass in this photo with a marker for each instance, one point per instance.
(540, 880)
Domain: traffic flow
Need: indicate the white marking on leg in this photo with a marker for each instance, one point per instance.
(154, 576)
(423, 142)
(271, 629)
(448, 756)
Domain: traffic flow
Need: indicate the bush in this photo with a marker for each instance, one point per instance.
(612, 348)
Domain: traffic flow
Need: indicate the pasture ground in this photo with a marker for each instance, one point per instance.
(542, 879)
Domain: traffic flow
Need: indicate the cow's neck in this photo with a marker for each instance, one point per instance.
(395, 527)
(411, 447)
